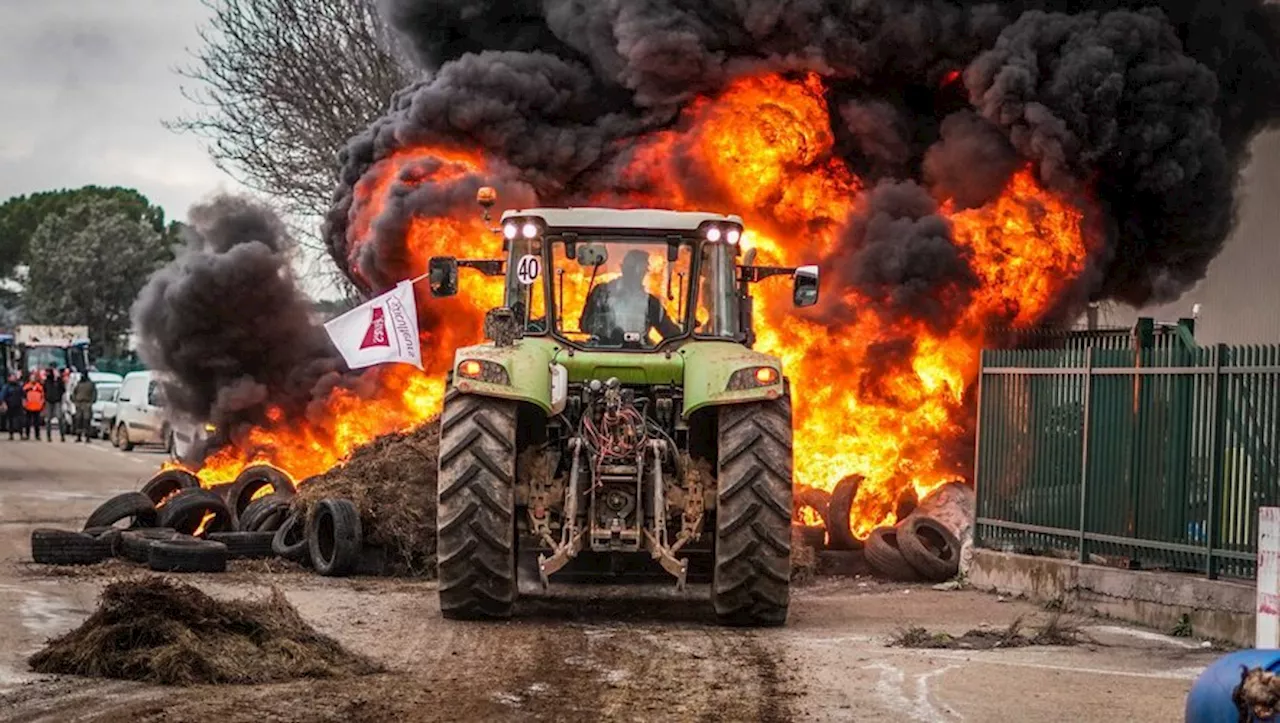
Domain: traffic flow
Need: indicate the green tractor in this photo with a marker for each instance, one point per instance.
(617, 422)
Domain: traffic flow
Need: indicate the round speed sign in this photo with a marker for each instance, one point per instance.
(528, 269)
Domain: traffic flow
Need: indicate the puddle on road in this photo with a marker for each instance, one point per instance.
(42, 615)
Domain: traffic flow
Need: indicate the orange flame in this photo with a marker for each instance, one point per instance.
(763, 149)
(204, 522)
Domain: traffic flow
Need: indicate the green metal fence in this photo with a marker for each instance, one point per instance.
(1148, 451)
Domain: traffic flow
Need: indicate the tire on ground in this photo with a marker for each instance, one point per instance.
(168, 483)
(334, 537)
(252, 480)
(838, 530)
(475, 543)
(108, 535)
(929, 547)
(187, 554)
(813, 498)
(135, 545)
(290, 541)
(134, 506)
(815, 537)
(64, 547)
(752, 576)
(185, 510)
(244, 545)
(884, 556)
(907, 503)
(264, 514)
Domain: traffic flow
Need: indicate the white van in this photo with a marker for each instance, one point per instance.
(105, 422)
(101, 424)
(140, 417)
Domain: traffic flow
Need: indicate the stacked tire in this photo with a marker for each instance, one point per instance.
(175, 525)
(919, 548)
(171, 525)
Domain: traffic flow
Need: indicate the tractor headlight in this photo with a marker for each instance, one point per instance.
(722, 231)
(484, 371)
(753, 378)
(510, 231)
(529, 230)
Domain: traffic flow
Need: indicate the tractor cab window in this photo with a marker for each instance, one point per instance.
(619, 293)
(717, 312)
(525, 292)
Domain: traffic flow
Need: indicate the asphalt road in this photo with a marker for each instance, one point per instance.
(572, 656)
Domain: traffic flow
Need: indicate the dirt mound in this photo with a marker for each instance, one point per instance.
(160, 631)
(392, 481)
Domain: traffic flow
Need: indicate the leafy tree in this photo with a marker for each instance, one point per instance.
(87, 264)
(20, 216)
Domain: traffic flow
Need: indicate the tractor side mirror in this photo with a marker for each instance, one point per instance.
(442, 273)
(805, 289)
(592, 255)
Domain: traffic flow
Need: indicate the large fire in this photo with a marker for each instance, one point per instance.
(765, 151)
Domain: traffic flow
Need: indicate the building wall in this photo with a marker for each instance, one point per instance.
(1240, 295)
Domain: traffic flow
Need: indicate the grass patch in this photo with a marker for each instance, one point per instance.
(1183, 628)
(1056, 630)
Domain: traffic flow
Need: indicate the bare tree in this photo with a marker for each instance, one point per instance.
(282, 86)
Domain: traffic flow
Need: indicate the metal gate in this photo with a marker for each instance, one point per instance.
(1144, 450)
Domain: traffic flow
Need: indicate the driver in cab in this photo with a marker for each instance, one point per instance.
(622, 311)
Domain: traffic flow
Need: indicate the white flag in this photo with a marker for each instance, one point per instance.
(380, 331)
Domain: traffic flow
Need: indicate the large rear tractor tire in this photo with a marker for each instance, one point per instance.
(752, 577)
(476, 544)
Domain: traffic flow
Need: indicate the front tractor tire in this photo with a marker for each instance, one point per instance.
(476, 547)
(751, 584)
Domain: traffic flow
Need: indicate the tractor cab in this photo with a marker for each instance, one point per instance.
(626, 280)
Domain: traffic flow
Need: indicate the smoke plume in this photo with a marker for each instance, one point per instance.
(906, 261)
(1144, 111)
(226, 324)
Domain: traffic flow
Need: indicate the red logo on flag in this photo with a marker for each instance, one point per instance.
(376, 335)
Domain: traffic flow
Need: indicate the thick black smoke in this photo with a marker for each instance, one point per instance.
(1144, 108)
(906, 263)
(226, 324)
(1111, 99)
(971, 161)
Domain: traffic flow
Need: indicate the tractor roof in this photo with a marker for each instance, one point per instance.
(613, 218)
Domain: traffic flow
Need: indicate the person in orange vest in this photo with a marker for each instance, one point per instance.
(33, 403)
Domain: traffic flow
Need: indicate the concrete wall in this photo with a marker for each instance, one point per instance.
(1217, 609)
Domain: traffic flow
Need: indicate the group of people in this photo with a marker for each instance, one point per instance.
(25, 407)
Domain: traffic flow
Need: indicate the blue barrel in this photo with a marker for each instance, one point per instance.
(1210, 698)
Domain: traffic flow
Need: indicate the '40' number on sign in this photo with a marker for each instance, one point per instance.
(528, 269)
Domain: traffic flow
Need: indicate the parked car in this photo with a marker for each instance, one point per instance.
(106, 384)
(104, 411)
(140, 414)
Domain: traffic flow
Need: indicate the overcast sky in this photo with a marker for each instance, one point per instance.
(84, 87)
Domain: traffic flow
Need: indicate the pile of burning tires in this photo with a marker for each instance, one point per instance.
(174, 525)
(923, 545)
